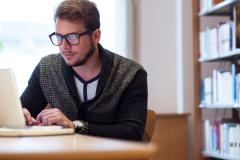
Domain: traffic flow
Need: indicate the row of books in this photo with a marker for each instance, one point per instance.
(222, 137)
(217, 41)
(223, 88)
(205, 5)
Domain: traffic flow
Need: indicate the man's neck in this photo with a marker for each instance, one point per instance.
(90, 69)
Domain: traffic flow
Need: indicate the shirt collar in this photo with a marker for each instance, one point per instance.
(106, 66)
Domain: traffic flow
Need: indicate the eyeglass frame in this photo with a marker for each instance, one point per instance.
(66, 39)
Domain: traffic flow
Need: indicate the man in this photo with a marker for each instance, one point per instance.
(86, 87)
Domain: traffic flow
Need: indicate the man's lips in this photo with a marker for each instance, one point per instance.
(67, 53)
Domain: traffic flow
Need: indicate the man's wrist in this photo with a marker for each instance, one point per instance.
(80, 126)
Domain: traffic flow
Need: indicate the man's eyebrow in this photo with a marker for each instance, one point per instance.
(66, 34)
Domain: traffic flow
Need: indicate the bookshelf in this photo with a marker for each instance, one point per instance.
(223, 8)
(216, 59)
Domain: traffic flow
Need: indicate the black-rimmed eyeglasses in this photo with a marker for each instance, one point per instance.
(71, 39)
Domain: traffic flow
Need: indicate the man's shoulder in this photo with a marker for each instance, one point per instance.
(50, 61)
(120, 62)
(116, 57)
(127, 62)
(51, 58)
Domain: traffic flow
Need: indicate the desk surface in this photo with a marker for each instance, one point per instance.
(73, 147)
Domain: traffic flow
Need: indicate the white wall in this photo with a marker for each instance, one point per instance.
(157, 52)
(165, 48)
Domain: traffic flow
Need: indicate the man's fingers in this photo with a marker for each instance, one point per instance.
(45, 114)
(39, 117)
(50, 116)
(35, 122)
(27, 115)
(46, 109)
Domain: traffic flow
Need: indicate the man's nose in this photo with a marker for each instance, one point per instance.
(65, 43)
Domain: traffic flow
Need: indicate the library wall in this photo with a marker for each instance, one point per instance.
(161, 40)
(165, 51)
(157, 48)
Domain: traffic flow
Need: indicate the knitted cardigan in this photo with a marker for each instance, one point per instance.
(119, 108)
(105, 108)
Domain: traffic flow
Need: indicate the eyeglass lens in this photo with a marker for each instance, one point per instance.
(57, 39)
(72, 39)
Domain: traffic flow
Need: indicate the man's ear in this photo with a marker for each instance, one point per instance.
(97, 35)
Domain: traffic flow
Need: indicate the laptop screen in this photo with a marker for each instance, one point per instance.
(11, 114)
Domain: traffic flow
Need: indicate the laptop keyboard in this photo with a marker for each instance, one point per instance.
(45, 127)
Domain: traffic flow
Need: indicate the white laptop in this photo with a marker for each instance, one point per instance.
(12, 121)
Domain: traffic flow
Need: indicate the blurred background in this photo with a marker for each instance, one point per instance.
(25, 26)
(155, 33)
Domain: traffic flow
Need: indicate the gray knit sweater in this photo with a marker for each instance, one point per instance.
(57, 94)
(119, 108)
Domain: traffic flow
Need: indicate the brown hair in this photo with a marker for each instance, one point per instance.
(79, 10)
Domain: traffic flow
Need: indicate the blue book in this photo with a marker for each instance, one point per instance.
(234, 81)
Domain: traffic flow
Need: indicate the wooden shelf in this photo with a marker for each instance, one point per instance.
(220, 156)
(219, 106)
(223, 8)
(228, 56)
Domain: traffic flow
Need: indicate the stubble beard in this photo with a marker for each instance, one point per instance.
(87, 56)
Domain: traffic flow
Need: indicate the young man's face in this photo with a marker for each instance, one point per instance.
(76, 55)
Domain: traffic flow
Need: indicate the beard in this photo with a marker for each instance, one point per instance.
(89, 54)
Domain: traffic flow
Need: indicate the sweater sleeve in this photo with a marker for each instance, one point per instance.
(132, 113)
(32, 98)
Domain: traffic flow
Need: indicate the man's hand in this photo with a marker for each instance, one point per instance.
(29, 120)
(53, 116)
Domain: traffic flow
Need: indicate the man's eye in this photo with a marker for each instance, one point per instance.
(58, 36)
(72, 36)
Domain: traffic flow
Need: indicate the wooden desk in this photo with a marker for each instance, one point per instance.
(72, 147)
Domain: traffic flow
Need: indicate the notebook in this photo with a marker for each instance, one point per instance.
(12, 121)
